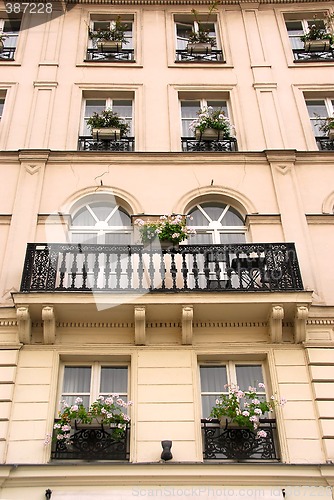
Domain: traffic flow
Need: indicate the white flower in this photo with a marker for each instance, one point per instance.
(261, 434)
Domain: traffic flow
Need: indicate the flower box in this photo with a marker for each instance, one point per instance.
(199, 48)
(209, 134)
(317, 45)
(106, 133)
(109, 46)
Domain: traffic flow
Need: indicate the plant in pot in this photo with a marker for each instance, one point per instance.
(107, 125)
(319, 37)
(244, 408)
(211, 124)
(110, 40)
(199, 39)
(326, 125)
(169, 230)
(105, 411)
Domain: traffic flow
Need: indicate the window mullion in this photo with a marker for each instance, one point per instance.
(95, 381)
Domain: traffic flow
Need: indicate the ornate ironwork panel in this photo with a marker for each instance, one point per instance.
(124, 55)
(207, 268)
(238, 443)
(91, 443)
(7, 54)
(87, 143)
(212, 57)
(191, 144)
(301, 55)
(324, 144)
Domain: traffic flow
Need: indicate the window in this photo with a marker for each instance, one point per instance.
(2, 103)
(88, 381)
(123, 52)
(123, 107)
(11, 29)
(102, 222)
(190, 108)
(319, 109)
(216, 223)
(205, 48)
(297, 27)
(215, 378)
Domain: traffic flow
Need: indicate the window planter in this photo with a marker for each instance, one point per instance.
(209, 134)
(199, 48)
(317, 45)
(109, 46)
(106, 133)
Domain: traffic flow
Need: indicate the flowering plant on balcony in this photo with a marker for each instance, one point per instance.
(319, 30)
(115, 34)
(167, 227)
(326, 125)
(108, 119)
(244, 408)
(105, 410)
(208, 117)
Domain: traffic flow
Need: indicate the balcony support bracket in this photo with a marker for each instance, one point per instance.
(140, 325)
(275, 323)
(49, 324)
(301, 316)
(24, 324)
(187, 325)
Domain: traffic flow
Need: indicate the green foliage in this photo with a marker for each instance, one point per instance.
(319, 32)
(209, 117)
(115, 34)
(168, 227)
(108, 119)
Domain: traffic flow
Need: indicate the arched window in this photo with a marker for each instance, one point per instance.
(216, 223)
(101, 222)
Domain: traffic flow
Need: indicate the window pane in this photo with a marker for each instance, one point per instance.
(118, 238)
(201, 238)
(83, 218)
(316, 108)
(198, 219)
(213, 379)
(219, 105)
(248, 375)
(229, 238)
(120, 218)
(2, 103)
(214, 211)
(114, 380)
(77, 379)
(94, 106)
(232, 218)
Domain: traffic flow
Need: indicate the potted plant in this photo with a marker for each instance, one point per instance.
(327, 126)
(199, 39)
(319, 38)
(244, 408)
(2, 38)
(211, 124)
(110, 40)
(107, 125)
(105, 411)
(169, 229)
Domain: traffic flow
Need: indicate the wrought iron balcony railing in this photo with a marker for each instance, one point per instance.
(302, 55)
(133, 268)
(324, 143)
(212, 56)
(238, 443)
(87, 143)
(7, 54)
(124, 55)
(191, 144)
(93, 443)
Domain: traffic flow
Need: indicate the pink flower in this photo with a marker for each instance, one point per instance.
(261, 434)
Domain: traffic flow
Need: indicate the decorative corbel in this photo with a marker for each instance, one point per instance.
(140, 325)
(187, 324)
(275, 323)
(49, 325)
(300, 323)
(24, 324)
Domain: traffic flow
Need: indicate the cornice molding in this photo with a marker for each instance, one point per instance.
(186, 2)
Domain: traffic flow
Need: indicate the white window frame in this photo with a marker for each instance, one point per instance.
(203, 102)
(181, 42)
(306, 22)
(231, 377)
(111, 21)
(95, 380)
(12, 36)
(110, 102)
(329, 105)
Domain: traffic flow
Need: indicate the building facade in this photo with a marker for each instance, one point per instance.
(88, 309)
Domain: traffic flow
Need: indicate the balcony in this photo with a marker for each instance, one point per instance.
(123, 55)
(324, 143)
(191, 144)
(7, 54)
(239, 444)
(134, 268)
(87, 143)
(302, 55)
(214, 56)
(91, 443)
